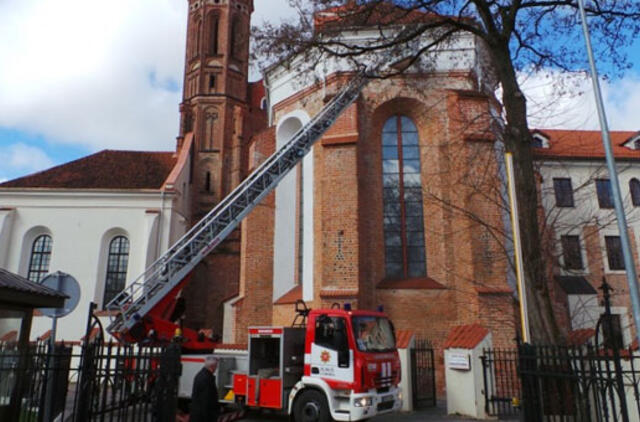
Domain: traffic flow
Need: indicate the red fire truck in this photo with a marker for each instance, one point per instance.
(336, 364)
(342, 364)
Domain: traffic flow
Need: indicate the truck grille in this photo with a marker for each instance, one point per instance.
(385, 381)
(385, 405)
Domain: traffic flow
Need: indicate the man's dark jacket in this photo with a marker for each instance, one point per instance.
(204, 398)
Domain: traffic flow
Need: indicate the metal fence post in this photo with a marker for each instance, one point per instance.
(483, 359)
(616, 353)
(531, 406)
(167, 393)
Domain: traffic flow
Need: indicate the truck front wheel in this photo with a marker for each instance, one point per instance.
(311, 406)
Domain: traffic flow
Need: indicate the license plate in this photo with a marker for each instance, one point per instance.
(387, 398)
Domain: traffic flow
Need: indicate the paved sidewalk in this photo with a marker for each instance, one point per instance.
(436, 414)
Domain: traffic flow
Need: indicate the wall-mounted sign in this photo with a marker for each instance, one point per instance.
(460, 361)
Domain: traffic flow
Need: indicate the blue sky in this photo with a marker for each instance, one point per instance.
(64, 96)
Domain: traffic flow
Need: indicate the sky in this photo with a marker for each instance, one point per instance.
(79, 76)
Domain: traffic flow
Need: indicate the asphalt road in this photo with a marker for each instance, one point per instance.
(432, 415)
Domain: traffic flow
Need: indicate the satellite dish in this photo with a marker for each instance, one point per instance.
(67, 285)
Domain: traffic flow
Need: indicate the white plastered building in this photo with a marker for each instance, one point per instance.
(105, 216)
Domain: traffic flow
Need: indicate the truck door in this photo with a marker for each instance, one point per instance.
(331, 357)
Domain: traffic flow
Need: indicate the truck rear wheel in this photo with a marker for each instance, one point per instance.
(311, 406)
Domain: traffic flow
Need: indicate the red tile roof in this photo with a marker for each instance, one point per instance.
(292, 296)
(403, 338)
(580, 337)
(583, 144)
(106, 169)
(465, 336)
(411, 283)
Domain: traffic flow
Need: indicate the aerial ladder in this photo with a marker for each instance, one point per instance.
(145, 308)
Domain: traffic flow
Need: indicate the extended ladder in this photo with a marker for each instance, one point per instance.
(140, 297)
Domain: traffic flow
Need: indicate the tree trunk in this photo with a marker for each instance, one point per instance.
(517, 140)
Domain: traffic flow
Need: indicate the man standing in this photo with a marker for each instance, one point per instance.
(204, 395)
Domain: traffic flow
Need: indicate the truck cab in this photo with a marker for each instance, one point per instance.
(339, 364)
(351, 356)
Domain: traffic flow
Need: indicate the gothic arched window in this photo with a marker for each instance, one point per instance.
(214, 22)
(117, 262)
(40, 258)
(634, 189)
(402, 196)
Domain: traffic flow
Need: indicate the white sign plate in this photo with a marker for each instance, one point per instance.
(460, 361)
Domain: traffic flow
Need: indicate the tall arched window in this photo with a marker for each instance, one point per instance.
(402, 197)
(634, 189)
(116, 267)
(214, 21)
(40, 258)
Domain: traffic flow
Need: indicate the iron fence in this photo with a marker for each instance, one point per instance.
(95, 381)
(562, 383)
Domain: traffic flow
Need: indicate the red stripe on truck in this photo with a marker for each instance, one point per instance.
(197, 360)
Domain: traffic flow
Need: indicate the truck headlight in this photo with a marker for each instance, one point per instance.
(399, 395)
(363, 402)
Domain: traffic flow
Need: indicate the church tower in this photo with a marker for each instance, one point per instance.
(215, 109)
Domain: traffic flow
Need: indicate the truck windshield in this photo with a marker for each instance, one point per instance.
(373, 334)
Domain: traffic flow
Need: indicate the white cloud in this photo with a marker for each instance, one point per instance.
(564, 101)
(24, 158)
(95, 73)
(92, 72)
(272, 11)
(79, 71)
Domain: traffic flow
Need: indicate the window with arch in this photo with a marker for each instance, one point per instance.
(214, 26)
(402, 200)
(40, 258)
(634, 189)
(117, 262)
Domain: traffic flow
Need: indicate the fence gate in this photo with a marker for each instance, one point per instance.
(502, 390)
(423, 375)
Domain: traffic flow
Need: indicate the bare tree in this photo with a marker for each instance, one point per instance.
(519, 35)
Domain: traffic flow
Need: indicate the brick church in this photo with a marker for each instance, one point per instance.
(395, 206)
(400, 204)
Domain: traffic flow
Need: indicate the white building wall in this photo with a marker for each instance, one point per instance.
(584, 309)
(571, 220)
(81, 225)
(462, 53)
(286, 221)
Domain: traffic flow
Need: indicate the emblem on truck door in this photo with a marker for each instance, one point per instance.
(325, 356)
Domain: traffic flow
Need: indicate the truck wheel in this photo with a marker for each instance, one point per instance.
(311, 406)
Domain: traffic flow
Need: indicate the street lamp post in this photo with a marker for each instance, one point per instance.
(629, 263)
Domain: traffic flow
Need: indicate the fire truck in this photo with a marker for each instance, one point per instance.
(341, 364)
(338, 364)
